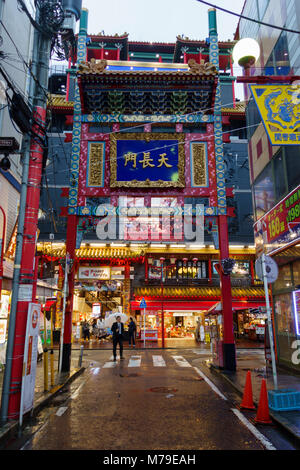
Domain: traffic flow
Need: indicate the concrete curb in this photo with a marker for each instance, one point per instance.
(280, 420)
(10, 429)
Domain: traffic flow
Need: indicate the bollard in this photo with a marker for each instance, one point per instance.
(52, 367)
(80, 356)
(46, 370)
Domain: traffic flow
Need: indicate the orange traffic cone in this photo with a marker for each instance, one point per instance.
(247, 402)
(262, 415)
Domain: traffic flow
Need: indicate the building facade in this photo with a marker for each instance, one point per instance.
(16, 42)
(153, 127)
(275, 169)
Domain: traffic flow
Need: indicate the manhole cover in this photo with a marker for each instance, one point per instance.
(130, 375)
(162, 390)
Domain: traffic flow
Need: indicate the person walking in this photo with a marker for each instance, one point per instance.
(132, 330)
(117, 331)
(86, 330)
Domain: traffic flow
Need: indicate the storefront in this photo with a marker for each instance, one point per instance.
(278, 233)
(286, 306)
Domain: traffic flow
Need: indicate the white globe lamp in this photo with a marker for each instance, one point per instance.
(246, 52)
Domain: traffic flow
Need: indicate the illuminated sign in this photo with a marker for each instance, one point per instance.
(281, 225)
(296, 302)
(147, 160)
(279, 107)
(102, 273)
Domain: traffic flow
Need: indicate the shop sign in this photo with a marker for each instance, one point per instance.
(96, 310)
(25, 293)
(30, 358)
(281, 225)
(150, 334)
(101, 273)
(279, 107)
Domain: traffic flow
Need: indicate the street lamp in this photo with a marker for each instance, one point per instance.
(246, 52)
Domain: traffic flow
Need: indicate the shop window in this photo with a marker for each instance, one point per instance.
(285, 325)
(191, 270)
(292, 159)
(284, 280)
(241, 269)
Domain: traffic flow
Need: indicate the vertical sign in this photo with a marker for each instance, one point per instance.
(30, 359)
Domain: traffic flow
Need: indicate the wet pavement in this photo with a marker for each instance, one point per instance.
(254, 361)
(152, 400)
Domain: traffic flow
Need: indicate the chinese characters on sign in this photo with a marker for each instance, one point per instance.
(280, 225)
(148, 160)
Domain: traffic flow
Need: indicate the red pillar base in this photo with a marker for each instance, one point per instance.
(229, 357)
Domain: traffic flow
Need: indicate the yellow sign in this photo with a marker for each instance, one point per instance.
(279, 107)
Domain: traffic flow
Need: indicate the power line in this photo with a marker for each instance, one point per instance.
(249, 19)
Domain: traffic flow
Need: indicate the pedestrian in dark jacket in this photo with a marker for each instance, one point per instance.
(117, 331)
(86, 330)
(132, 330)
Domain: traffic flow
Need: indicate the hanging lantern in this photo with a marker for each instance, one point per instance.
(195, 260)
(173, 260)
(150, 260)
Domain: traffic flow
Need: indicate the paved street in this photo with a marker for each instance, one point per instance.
(152, 400)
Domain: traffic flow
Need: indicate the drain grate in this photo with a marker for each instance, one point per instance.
(162, 389)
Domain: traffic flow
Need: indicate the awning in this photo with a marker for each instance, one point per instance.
(214, 309)
(236, 305)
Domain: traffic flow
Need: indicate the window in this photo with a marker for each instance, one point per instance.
(279, 60)
(292, 157)
(191, 270)
(296, 273)
(279, 175)
(262, 6)
(284, 279)
(263, 190)
(284, 311)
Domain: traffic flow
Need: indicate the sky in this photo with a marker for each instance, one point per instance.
(160, 20)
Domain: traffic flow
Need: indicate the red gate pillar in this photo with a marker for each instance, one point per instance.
(27, 281)
(228, 333)
(70, 248)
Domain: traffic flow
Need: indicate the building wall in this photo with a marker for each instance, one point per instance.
(275, 171)
(20, 30)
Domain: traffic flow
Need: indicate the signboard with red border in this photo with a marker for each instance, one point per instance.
(279, 226)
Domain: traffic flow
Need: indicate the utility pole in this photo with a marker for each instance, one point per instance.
(60, 14)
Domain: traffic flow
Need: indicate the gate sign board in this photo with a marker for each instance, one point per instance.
(147, 160)
(279, 107)
(30, 358)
